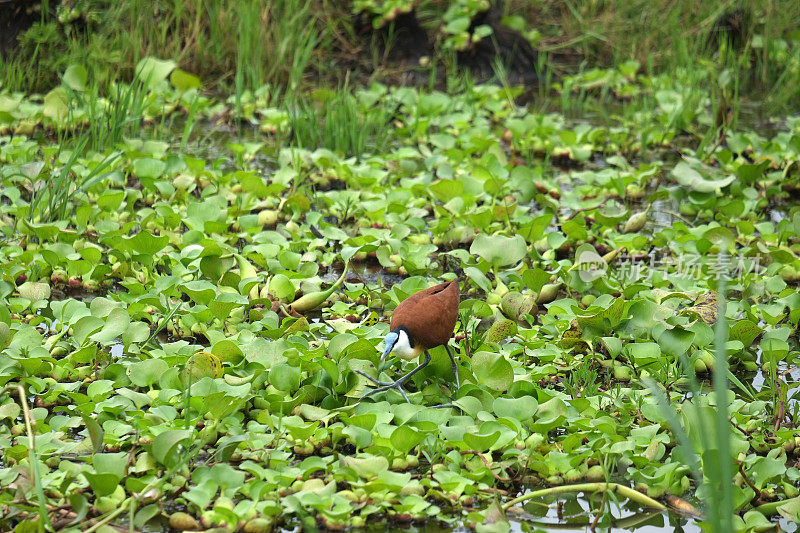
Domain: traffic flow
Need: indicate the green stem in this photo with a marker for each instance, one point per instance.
(622, 490)
(35, 474)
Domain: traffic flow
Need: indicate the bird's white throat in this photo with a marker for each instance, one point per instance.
(402, 348)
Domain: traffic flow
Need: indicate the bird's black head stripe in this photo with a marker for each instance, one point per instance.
(408, 334)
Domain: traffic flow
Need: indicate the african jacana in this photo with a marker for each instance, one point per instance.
(422, 321)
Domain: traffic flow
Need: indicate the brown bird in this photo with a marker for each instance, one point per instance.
(422, 321)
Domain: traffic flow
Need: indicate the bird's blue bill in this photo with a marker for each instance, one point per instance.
(391, 338)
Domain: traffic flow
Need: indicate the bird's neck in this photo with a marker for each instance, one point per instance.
(403, 348)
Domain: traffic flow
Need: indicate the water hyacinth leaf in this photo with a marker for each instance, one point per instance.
(145, 373)
(330, 368)
(165, 445)
(676, 341)
(691, 178)
(469, 404)
(214, 266)
(515, 304)
(492, 370)
(136, 332)
(479, 442)
(766, 469)
(499, 250)
(9, 410)
(102, 484)
(56, 105)
(151, 71)
(281, 288)
(200, 365)
(445, 190)
(201, 291)
(145, 243)
(523, 408)
(226, 302)
(75, 77)
(149, 168)
(613, 345)
(34, 291)
(746, 331)
(96, 432)
(115, 325)
(368, 467)
(227, 351)
(501, 329)
(183, 81)
(536, 278)
(80, 506)
(643, 353)
(404, 438)
(479, 278)
(790, 509)
(284, 377)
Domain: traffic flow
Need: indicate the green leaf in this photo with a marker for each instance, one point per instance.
(145, 243)
(102, 484)
(149, 168)
(200, 365)
(480, 443)
(643, 353)
(790, 509)
(117, 322)
(145, 373)
(183, 81)
(75, 77)
(282, 288)
(366, 467)
(404, 438)
(56, 105)
(199, 291)
(499, 250)
(745, 331)
(517, 408)
(227, 351)
(226, 302)
(34, 291)
(284, 377)
(766, 469)
(676, 341)
(151, 71)
(492, 370)
(691, 178)
(165, 444)
(96, 432)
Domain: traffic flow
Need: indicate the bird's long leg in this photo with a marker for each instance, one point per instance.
(458, 381)
(399, 383)
(375, 381)
(455, 366)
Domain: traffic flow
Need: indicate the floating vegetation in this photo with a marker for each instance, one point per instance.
(182, 334)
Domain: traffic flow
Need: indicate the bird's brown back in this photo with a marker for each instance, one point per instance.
(429, 315)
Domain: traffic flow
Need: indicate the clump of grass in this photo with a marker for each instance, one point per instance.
(51, 197)
(275, 43)
(232, 44)
(713, 448)
(337, 121)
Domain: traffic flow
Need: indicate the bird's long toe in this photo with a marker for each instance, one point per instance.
(384, 386)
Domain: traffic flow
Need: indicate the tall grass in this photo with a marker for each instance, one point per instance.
(252, 42)
(52, 195)
(708, 456)
(337, 121)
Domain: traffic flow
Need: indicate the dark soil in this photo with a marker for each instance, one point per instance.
(16, 16)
